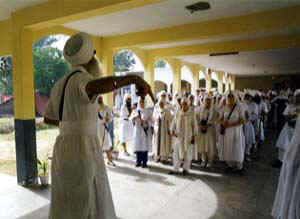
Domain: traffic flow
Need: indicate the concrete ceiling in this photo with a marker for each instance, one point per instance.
(171, 13)
(9, 6)
(263, 63)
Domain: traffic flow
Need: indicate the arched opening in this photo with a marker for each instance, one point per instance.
(126, 62)
(162, 74)
(214, 81)
(186, 80)
(49, 66)
(202, 81)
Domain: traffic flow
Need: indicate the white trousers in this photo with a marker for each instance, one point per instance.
(178, 155)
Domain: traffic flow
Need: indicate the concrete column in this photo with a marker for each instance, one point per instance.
(208, 80)
(108, 70)
(220, 82)
(24, 106)
(196, 84)
(227, 85)
(232, 85)
(176, 67)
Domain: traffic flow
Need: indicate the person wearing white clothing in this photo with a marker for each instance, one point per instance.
(142, 135)
(234, 140)
(207, 144)
(104, 117)
(184, 130)
(287, 200)
(126, 126)
(162, 136)
(80, 187)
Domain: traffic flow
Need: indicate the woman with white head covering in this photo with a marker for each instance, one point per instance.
(287, 132)
(287, 200)
(232, 129)
(184, 130)
(80, 187)
(206, 126)
(142, 135)
(162, 135)
(104, 118)
(219, 137)
(251, 115)
(126, 126)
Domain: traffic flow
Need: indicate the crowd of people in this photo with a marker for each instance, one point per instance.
(202, 128)
(177, 130)
(208, 128)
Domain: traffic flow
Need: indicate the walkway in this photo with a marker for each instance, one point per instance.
(153, 194)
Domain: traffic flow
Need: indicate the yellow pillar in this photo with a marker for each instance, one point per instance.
(196, 84)
(220, 82)
(227, 85)
(23, 79)
(149, 72)
(148, 63)
(176, 67)
(24, 107)
(232, 85)
(208, 80)
(106, 58)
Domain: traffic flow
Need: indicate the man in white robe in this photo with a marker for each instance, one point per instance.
(184, 130)
(162, 119)
(80, 187)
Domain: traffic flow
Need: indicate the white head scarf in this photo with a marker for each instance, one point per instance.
(79, 49)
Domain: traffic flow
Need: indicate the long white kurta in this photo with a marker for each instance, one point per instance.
(142, 138)
(80, 187)
(104, 136)
(161, 137)
(207, 141)
(126, 126)
(234, 139)
(287, 201)
(248, 126)
(286, 133)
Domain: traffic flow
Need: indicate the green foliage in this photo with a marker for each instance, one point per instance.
(6, 75)
(46, 42)
(43, 167)
(123, 61)
(160, 64)
(49, 67)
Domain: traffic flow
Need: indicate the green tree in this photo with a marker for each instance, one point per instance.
(160, 64)
(6, 75)
(49, 67)
(46, 42)
(123, 61)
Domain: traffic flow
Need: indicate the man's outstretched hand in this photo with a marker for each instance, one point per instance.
(144, 89)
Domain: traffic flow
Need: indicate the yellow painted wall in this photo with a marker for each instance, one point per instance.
(263, 82)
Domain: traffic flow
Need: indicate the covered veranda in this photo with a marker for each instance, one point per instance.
(224, 43)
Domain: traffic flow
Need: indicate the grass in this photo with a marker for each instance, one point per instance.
(45, 137)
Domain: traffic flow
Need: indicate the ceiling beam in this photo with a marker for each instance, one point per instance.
(267, 21)
(267, 43)
(57, 12)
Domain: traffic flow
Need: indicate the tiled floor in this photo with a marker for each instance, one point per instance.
(153, 194)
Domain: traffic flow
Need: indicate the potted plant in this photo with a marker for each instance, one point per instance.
(43, 167)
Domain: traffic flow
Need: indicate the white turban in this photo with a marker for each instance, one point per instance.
(79, 49)
(297, 92)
